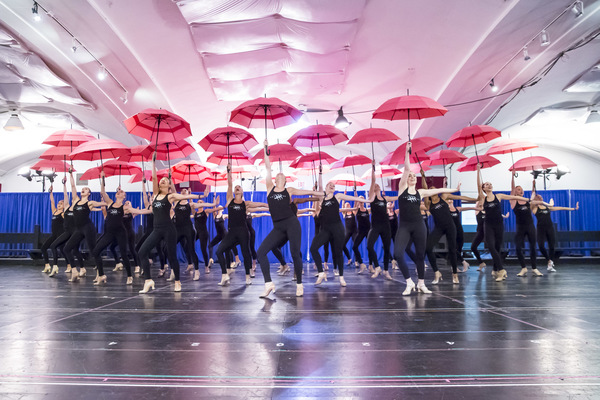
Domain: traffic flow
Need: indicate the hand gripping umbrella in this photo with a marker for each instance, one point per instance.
(473, 135)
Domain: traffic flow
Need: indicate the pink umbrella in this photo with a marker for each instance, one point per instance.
(98, 149)
(415, 169)
(473, 135)
(396, 157)
(280, 152)
(120, 168)
(148, 175)
(215, 180)
(288, 179)
(347, 180)
(308, 160)
(244, 172)
(373, 135)
(381, 171)
(444, 157)
(185, 169)
(267, 112)
(317, 136)
(505, 146)
(55, 165)
(69, 137)
(470, 164)
(56, 153)
(168, 151)
(351, 161)
(158, 126)
(236, 158)
(138, 153)
(228, 140)
(532, 164)
(92, 173)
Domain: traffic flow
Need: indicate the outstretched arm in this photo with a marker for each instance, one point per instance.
(431, 192)
(66, 199)
(404, 180)
(268, 173)
(303, 192)
(52, 205)
(463, 198)
(105, 196)
(73, 187)
(342, 196)
(556, 208)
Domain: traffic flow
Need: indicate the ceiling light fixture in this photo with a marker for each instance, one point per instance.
(124, 98)
(493, 86)
(25, 172)
(544, 38)
(102, 73)
(526, 54)
(14, 123)
(35, 11)
(341, 122)
(577, 9)
(594, 117)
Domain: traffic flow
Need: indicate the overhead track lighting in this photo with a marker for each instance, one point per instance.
(493, 86)
(341, 121)
(526, 54)
(36, 13)
(14, 123)
(544, 38)
(577, 9)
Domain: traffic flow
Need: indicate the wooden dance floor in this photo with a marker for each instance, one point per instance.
(524, 338)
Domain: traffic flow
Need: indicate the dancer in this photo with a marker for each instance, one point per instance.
(200, 219)
(545, 227)
(349, 214)
(57, 229)
(148, 228)
(455, 213)
(221, 231)
(364, 226)
(393, 217)
(185, 233)
(69, 228)
(480, 217)
(328, 211)
(238, 232)
(494, 225)
(285, 225)
(164, 229)
(84, 227)
(411, 224)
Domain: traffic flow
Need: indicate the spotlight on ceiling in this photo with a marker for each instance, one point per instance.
(25, 172)
(35, 11)
(102, 73)
(544, 38)
(341, 121)
(13, 123)
(493, 86)
(526, 54)
(562, 170)
(593, 117)
(577, 9)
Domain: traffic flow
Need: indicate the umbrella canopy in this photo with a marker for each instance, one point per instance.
(348, 180)
(267, 112)
(237, 159)
(228, 139)
(470, 164)
(381, 171)
(215, 180)
(148, 175)
(396, 157)
(56, 153)
(117, 167)
(92, 173)
(99, 149)
(351, 161)
(188, 170)
(532, 164)
(415, 169)
(446, 157)
(138, 153)
(409, 107)
(308, 160)
(505, 146)
(55, 165)
(373, 135)
(473, 135)
(311, 171)
(158, 126)
(69, 137)
(278, 152)
(168, 151)
(244, 171)
(317, 136)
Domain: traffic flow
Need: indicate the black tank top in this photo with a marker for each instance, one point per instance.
(249, 222)
(128, 222)
(149, 221)
(409, 206)
(182, 214)
(114, 218)
(543, 216)
(441, 213)
(493, 211)
(364, 223)
(350, 222)
(81, 214)
(317, 223)
(69, 220)
(161, 209)
(57, 223)
(379, 212)
(480, 217)
(279, 205)
(294, 208)
(237, 214)
(200, 222)
(330, 212)
(220, 225)
(523, 214)
(456, 218)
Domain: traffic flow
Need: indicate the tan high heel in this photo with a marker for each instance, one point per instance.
(523, 272)
(224, 280)
(299, 290)
(376, 273)
(101, 279)
(342, 281)
(172, 276)
(68, 270)
(118, 267)
(149, 284)
(501, 275)
(284, 270)
(47, 269)
(269, 287)
(481, 267)
(196, 275)
(190, 269)
(54, 270)
(410, 287)
(129, 280)
(465, 266)
(248, 280)
(74, 276)
(422, 288)
(322, 277)
(536, 272)
(177, 287)
(362, 269)
(82, 272)
(386, 275)
(455, 278)
(437, 277)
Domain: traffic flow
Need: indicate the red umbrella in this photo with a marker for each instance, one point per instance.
(381, 171)
(244, 172)
(505, 146)
(308, 160)
(215, 180)
(138, 153)
(98, 149)
(396, 157)
(279, 152)
(228, 140)
(267, 112)
(56, 153)
(351, 161)
(532, 164)
(419, 147)
(55, 165)
(92, 173)
(373, 135)
(148, 175)
(470, 164)
(317, 136)
(158, 126)
(120, 168)
(185, 169)
(347, 180)
(446, 157)
(168, 151)
(236, 158)
(69, 137)
(473, 135)
(409, 107)
(311, 171)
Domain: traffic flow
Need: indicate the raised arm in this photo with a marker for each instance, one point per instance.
(73, 187)
(229, 185)
(268, 175)
(103, 194)
(480, 193)
(431, 192)
(373, 180)
(66, 194)
(513, 203)
(404, 180)
(155, 189)
(144, 194)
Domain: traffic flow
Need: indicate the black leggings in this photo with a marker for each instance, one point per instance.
(546, 233)
(434, 237)
(252, 243)
(334, 233)
(187, 234)
(417, 232)
(385, 232)
(168, 234)
(87, 232)
(235, 236)
(477, 241)
(216, 241)
(110, 235)
(360, 236)
(349, 235)
(203, 237)
(494, 237)
(59, 244)
(287, 229)
(460, 241)
(529, 231)
(47, 244)
(159, 248)
(131, 246)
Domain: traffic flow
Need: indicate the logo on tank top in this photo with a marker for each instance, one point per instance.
(277, 196)
(113, 211)
(490, 205)
(237, 207)
(327, 203)
(412, 198)
(157, 204)
(437, 206)
(522, 208)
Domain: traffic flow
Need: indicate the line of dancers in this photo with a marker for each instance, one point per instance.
(169, 223)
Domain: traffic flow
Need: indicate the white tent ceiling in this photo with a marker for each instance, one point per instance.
(200, 59)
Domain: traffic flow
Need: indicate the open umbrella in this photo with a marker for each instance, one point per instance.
(228, 140)
(141, 153)
(396, 157)
(169, 151)
(158, 126)
(381, 171)
(409, 107)
(188, 171)
(237, 159)
(68, 137)
(120, 168)
(280, 152)
(419, 146)
(55, 165)
(414, 168)
(373, 135)
(215, 180)
(505, 146)
(536, 163)
(470, 164)
(445, 157)
(267, 112)
(317, 136)
(308, 160)
(473, 135)
(347, 180)
(99, 149)
(92, 173)
(148, 175)
(351, 161)
(288, 179)
(56, 153)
